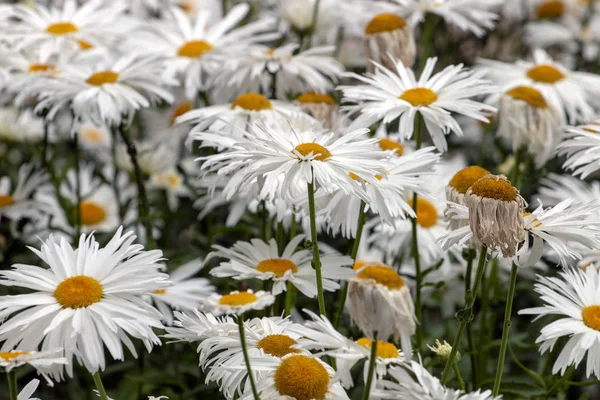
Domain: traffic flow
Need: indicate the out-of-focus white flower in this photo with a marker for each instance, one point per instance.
(17, 202)
(237, 302)
(581, 146)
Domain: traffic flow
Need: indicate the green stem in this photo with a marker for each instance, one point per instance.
(143, 208)
(362, 216)
(240, 321)
(11, 377)
(415, 244)
(461, 381)
(466, 314)
(515, 173)
(485, 302)
(100, 386)
(45, 144)
(313, 23)
(372, 361)
(290, 298)
(470, 257)
(428, 29)
(77, 188)
(280, 237)
(506, 327)
(264, 221)
(315, 244)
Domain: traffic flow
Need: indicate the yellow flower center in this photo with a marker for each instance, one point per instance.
(463, 179)
(494, 188)
(545, 73)
(160, 291)
(61, 28)
(527, 214)
(550, 9)
(252, 101)
(358, 264)
(315, 149)
(389, 144)
(91, 213)
(102, 77)
(10, 355)
(302, 378)
(591, 317)
(36, 68)
(383, 275)
(238, 299)
(92, 135)
(277, 345)
(384, 349)
(193, 49)
(174, 181)
(278, 266)
(6, 200)
(181, 109)
(78, 291)
(419, 97)
(312, 97)
(426, 212)
(529, 95)
(384, 23)
(84, 45)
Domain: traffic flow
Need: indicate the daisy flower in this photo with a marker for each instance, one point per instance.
(387, 95)
(572, 92)
(159, 124)
(28, 390)
(555, 188)
(296, 376)
(42, 361)
(197, 49)
(237, 302)
(556, 9)
(105, 92)
(172, 182)
(581, 146)
(260, 260)
(17, 201)
(93, 136)
(86, 300)
(94, 23)
(186, 293)
(199, 326)
(575, 296)
(290, 70)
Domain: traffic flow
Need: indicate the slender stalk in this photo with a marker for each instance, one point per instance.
(280, 237)
(415, 244)
(290, 298)
(45, 144)
(485, 302)
(246, 358)
(11, 377)
(293, 226)
(143, 208)
(428, 28)
(461, 382)
(313, 23)
(100, 386)
(470, 257)
(516, 169)
(362, 216)
(315, 244)
(77, 188)
(466, 314)
(116, 175)
(506, 327)
(372, 360)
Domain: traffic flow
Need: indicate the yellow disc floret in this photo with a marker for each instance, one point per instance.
(194, 49)
(419, 97)
(252, 101)
(78, 291)
(11, 355)
(91, 213)
(277, 345)
(61, 28)
(550, 9)
(384, 349)
(426, 213)
(6, 200)
(181, 109)
(494, 188)
(302, 378)
(383, 275)
(315, 149)
(160, 291)
(102, 77)
(238, 299)
(389, 144)
(384, 23)
(545, 73)
(41, 68)
(312, 97)
(591, 317)
(463, 179)
(531, 96)
(278, 266)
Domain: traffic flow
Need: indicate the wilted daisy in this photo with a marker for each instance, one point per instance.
(86, 300)
(237, 302)
(574, 92)
(259, 260)
(388, 37)
(17, 201)
(388, 94)
(581, 146)
(322, 107)
(575, 296)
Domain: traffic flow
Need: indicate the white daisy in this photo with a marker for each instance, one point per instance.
(581, 146)
(186, 293)
(237, 302)
(152, 157)
(93, 136)
(259, 260)
(387, 95)
(575, 296)
(555, 188)
(20, 126)
(27, 391)
(42, 361)
(86, 300)
(173, 183)
(200, 326)
(17, 201)
(575, 93)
